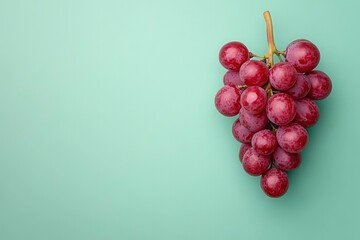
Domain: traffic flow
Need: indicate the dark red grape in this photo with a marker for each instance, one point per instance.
(320, 85)
(244, 147)
(301, 87)
(264, 142)
(253, 99)
(253, 122)
(254, 73)
(282, 76)
(286, 161)
(307, 112)
(281, 109)
(292, 138)
(233, 54)
(232, 78)
(241, 133)
(255, 164)
(227, 101)
(303, 55)
(274, 182)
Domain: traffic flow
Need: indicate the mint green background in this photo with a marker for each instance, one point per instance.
(108, 128)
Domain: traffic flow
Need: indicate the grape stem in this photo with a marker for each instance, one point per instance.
(273, 127)
(283, 53)
(241, 86)
(269, 90)
(270, 39)
(256, 55)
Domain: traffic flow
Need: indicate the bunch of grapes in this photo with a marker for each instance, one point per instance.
(274, 102)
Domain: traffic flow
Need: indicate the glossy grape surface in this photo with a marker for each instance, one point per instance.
(303, 55)
(233, 54)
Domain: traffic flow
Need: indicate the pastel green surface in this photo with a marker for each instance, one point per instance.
(108, 128)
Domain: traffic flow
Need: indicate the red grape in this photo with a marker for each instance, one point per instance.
(274, 182)
(241, 133)
(251, 121)
(280, 109)
(253, 99)
(307, 112)
(292, 138)
(320, 85)
(244, 147)
(233, 54)
(232, 78)
(282, 76)
(301, 87)
(286, 161)
(303, 55)
(255, 164)
(264, 142)
(227, 101)
(275, 103)
(254, 73)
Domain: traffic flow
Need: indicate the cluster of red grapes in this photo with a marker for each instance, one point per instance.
(275, 103)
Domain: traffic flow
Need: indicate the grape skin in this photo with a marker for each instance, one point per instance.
(301, 87)
(241, 133)
(244, 147)
(264, 142)
(227, 101)
(253, 122)
(232, 78)
(307, 112)
(233, 54)
(274, 182)
(254, 99)
(292, 138)
(283, 76)
(254, 163)
(286, 161)
(254, 73)
(281, 109)
(321, 85)
(303, 55)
